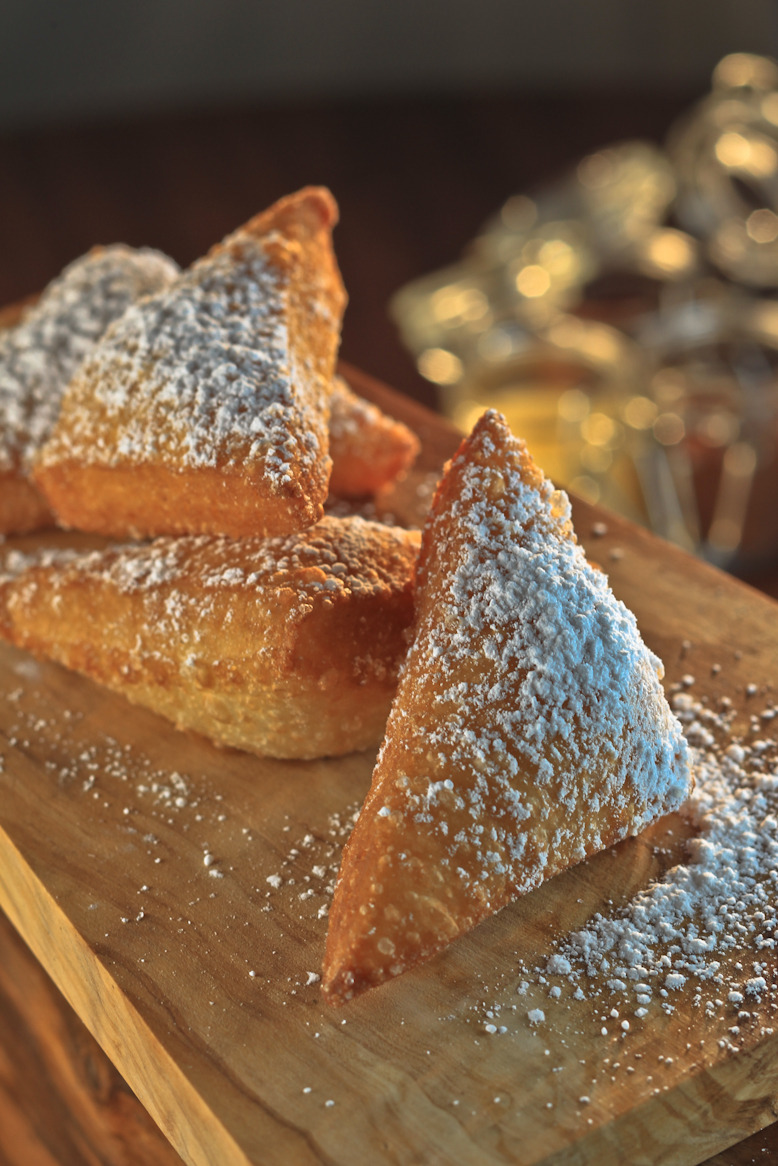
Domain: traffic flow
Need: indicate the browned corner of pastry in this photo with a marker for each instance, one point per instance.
(298, 215)
(529, 729)
(297, 230)
(370, 451)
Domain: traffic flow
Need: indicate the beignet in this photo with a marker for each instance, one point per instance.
(370, 450)
(205, 408)
(529, 730)
(288, 646)
(41, 352)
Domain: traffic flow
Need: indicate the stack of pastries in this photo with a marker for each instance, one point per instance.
(202, 423)
(199, 415)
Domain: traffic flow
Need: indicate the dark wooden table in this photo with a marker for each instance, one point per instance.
(414, 178)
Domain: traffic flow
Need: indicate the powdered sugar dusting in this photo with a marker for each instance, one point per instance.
(307, 873)
(681, 931)
(556, 682)
(218, 374)
(41, 353)
(14, 562)
(337, 558)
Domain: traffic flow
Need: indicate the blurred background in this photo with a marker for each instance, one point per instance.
(568, 210)
(84, 58)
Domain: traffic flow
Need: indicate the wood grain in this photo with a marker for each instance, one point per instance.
(62, 1103)
(105, 817)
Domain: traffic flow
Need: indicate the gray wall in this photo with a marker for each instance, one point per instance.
(64, 58)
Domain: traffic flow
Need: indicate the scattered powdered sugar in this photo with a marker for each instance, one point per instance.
(308, 871)
(40, 354)
(681, 931)
(529, 729)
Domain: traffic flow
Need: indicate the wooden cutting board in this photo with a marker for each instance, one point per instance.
(177, 895)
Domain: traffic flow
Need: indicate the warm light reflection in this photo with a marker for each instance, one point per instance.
(732, 149)
(559, 258)
(753, 156)
(599, 429)
(762, 226)
(740, 70)
(464, 303)
(597, 343)
(533, 281)
(669, 429)
(685, 378)
(440, 366)
(640, 412)
(670, 251)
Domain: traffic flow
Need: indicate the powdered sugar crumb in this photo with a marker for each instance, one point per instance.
(310, 867)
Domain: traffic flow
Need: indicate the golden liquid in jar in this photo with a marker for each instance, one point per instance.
(574, 430)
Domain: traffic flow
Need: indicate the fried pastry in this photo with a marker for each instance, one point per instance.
(41, 352)
(529, 730)
(287, 646)
(370, 451)
(205, 408)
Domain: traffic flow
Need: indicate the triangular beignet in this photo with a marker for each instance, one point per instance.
(287, 647)
(205, 408)
(529, 730)
(43, 349)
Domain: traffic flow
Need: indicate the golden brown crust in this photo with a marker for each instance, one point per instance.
(217, 499)
(226, 375)
(12, 314)
(370, 451)
(287, 647)
(22, 507)
(529, 728)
